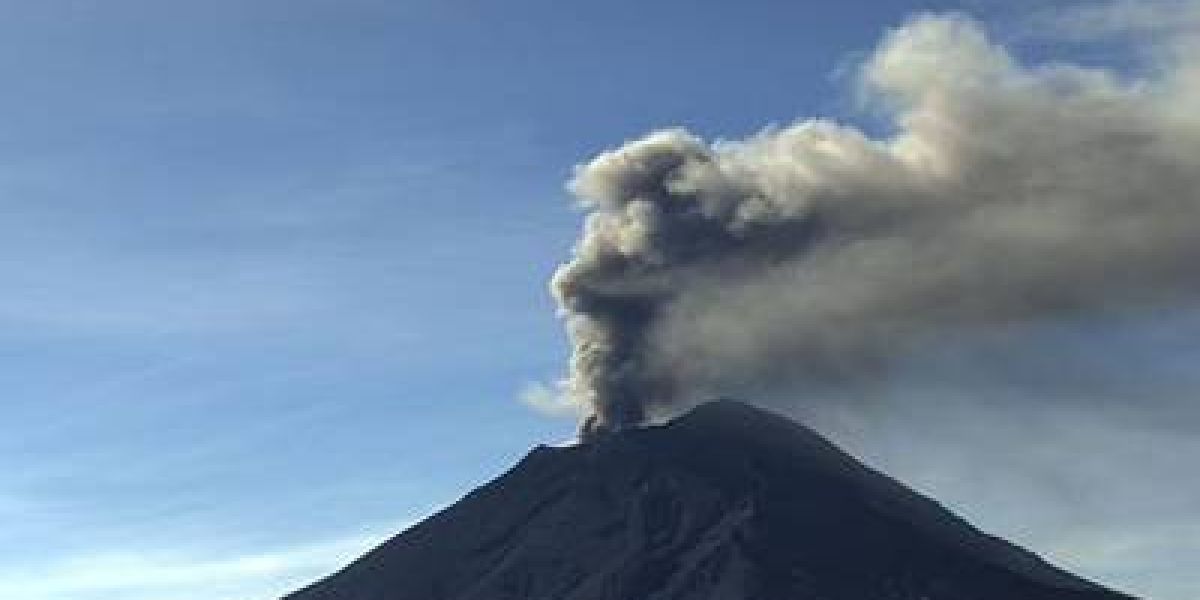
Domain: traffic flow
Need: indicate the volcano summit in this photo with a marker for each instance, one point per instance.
(725, 503)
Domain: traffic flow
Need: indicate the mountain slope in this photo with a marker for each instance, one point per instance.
(726, 503)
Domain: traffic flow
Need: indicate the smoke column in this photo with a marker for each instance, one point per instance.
(812, 252)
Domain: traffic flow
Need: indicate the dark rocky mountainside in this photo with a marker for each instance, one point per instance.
(726, 503)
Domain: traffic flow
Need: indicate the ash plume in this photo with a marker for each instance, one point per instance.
(814, 252)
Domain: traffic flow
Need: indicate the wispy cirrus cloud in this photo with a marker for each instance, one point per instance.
(1099, 20)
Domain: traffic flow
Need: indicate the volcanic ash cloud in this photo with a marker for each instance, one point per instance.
(816, 253)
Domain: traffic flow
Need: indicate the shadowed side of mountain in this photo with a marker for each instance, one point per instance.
(728, 502)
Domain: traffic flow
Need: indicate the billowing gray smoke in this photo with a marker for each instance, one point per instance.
(815, 253)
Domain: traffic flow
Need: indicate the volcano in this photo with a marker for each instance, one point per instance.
(728, 502)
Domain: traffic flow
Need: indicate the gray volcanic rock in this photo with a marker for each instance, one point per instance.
(726, 503)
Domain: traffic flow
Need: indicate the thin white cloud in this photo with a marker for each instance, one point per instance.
(167, 574)
(1099, 20)
(549, 400)
(1151, 559)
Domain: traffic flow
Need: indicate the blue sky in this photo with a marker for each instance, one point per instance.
(276, 271)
